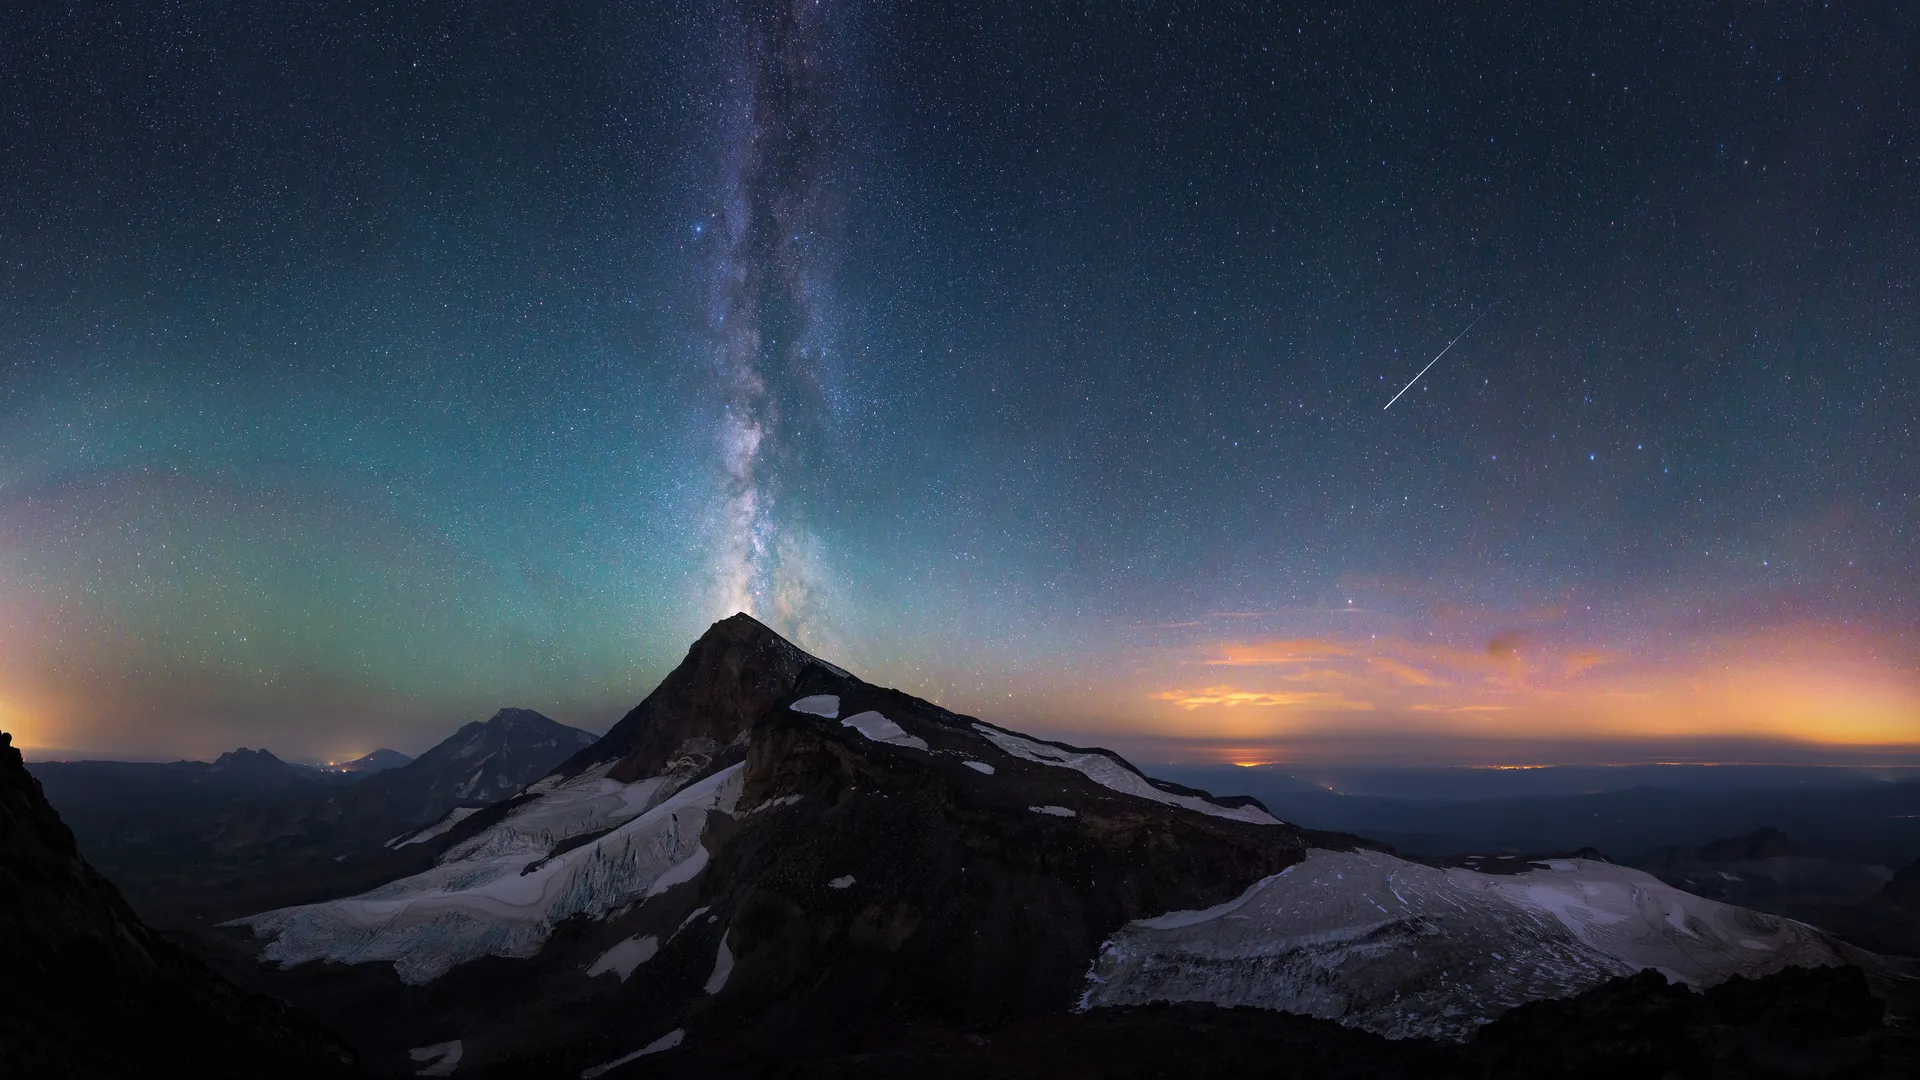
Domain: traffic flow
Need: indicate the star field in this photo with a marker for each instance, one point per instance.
(365, 368)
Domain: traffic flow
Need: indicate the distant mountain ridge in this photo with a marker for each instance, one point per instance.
(481, 763)
(189, 839)
(378, 761)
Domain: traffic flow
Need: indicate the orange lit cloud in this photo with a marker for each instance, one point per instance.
(1273, 653)
(1810, 686)
(1404, 672)
(1232, 697)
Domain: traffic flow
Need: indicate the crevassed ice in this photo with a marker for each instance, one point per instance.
(477, 902)
(1114, 776)
(880, 729)
(1402, 949)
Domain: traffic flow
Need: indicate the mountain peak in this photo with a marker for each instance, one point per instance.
(512, 716)
(731, 676)
(245, 759)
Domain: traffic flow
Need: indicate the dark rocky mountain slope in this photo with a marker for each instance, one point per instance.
(88, 990)
(770, 858)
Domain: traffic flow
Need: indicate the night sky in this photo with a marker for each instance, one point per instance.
(366, 368)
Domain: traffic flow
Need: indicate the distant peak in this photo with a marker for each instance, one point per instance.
(519, 716)
(245, 758)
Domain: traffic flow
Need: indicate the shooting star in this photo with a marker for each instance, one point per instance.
(1435, 360)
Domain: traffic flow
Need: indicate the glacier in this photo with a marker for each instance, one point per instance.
(502, 891)
(1403, 949)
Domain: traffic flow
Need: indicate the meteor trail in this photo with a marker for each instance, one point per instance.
(1435, 360)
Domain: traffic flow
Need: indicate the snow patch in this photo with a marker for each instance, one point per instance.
(1053, 811)
(448, 1054)
(880, 729)
(979, 767)
(1109, 773)
(827, 705)
(665, 1042)
(625, 956)
(841, 882)
(688, 921)
(722, 967)
(454, 817)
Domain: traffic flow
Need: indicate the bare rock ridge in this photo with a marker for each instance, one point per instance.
(767, 846)
(88, 990)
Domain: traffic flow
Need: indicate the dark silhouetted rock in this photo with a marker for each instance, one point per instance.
(88, 990)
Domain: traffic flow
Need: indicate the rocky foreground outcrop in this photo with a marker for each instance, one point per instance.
(88, 990)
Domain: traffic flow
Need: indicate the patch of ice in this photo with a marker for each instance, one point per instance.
(979, 767)
(688, 921)
(448, 1054)
(880, 729)
(1561, 866)
(1310, 940)
(454, 817)
(1109, 773)
(625, 955)
(722, 967)
(1053, 811)
(665, 1042)
(827, 705)
(502, 892)
(841, 882)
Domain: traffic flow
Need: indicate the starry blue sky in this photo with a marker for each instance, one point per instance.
(365, 368)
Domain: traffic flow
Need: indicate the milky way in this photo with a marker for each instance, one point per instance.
(367, 368)
(770, 266)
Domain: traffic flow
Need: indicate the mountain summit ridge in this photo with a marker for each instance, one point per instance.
(769, 849)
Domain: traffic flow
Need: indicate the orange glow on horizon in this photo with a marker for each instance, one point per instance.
(1810, 685)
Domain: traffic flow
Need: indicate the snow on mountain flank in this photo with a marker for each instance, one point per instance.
(722, 968)
(626, 955)
(827, 705)
(501, 892)
(880, 729)
(1403, 949)
(445, 825)
(443, 1058)
(1053, 811)
(665, 1042)
(979, 767)
(1108, 773)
